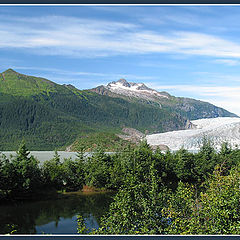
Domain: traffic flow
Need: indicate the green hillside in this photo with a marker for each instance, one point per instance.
(49, 116)
(18, 84)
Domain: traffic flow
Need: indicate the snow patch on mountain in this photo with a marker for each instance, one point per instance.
(218, 130)
(134, 89)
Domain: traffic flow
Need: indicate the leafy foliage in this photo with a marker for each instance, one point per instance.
(145, 204)
(157, 193)
(215, 211)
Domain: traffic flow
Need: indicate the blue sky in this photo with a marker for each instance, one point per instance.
(191, 51)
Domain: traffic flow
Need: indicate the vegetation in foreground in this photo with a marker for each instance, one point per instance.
(158, 193)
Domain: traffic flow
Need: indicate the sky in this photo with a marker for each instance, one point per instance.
(187, 50)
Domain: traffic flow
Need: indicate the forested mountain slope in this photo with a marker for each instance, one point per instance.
(49, 115)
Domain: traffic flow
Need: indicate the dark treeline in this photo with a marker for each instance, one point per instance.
(157, 193)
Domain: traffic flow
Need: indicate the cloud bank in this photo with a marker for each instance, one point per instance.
(77, 37)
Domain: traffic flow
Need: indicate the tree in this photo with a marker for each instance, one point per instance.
(215, 211)
(225, 149)
(97, 169)
(5, 182)
(184, 167)
(136, 208)
(205, 160)
(53, 172)
(21, 174)
(27, 175)
(81, 152)
(73, 172)
(120, 165)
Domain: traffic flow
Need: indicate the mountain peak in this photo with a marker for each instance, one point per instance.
(19, 84)
(10, 70)
(121, 82)
(69, 86)
(138, 90)
(124, 82)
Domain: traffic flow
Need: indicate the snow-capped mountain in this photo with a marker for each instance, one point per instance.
(123, 88)
(183, 108)
(218, 130)
(139, 90)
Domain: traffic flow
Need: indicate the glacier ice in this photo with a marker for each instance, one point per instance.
(218, 130)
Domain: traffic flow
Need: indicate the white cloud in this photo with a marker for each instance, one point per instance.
(68, 36)
(229, 62)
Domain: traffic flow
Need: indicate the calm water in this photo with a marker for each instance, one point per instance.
(45, 155)
(54, 216)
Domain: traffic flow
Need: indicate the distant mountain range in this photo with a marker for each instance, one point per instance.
(49, 115)
(139, 92)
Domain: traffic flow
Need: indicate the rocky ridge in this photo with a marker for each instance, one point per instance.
(130, 89)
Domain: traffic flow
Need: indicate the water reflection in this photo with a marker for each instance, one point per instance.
(54, 216)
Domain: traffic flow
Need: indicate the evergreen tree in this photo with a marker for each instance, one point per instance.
(25, 175)
(136, 209)
(97, 169)
(53, 172)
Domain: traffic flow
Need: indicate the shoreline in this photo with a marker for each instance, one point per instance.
(54, 194)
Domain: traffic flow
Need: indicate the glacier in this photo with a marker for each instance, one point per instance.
(218, 130)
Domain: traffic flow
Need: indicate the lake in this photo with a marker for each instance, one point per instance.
(53, 216)
(57, 216)
(47, 155)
